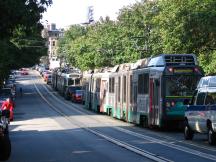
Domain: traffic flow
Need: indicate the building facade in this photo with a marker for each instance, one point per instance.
(52, 35)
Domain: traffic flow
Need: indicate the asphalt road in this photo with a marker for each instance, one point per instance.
(46, 128)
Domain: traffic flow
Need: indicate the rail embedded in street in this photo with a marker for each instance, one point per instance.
(116, 141)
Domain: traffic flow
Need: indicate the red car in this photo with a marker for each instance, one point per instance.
(48, 78)
(77, 96)
(24, 72)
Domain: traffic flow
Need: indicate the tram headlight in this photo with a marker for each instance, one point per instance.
(170, 70)
(172, 103)
(167, 104)
(196, 70)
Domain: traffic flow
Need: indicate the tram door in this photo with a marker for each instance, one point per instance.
(103, 95)
(154, 112)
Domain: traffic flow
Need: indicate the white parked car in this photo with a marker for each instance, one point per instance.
(200, 115)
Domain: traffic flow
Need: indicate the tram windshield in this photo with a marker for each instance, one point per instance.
(70, 81)
(73, 81)
(180, 85)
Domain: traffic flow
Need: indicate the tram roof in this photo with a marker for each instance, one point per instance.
(173, 60)
(161, 60)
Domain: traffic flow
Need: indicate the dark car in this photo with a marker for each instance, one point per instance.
(70, 91)
(77, 96)
(10, 84)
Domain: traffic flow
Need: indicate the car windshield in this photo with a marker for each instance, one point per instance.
(180, 85)
(210, 98)
(73, 89)
(79, 92)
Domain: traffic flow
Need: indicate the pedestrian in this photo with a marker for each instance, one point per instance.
(8, 105)
(21, 91)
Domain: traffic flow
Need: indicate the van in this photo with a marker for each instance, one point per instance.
(200, 115)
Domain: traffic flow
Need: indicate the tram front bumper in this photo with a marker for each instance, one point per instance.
(175, 115)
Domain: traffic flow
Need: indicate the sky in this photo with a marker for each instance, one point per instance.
(68, 12)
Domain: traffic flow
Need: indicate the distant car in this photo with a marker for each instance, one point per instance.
(70, 90)
(48, 78)
(9, 84)
(45, 72)
(12, 77)
(77, 96)
(24, 72)
(42, 69)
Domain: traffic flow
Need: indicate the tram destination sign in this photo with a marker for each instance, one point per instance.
(185, 70)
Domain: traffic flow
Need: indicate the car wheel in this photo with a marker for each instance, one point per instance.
(211, 137)
(188, 133)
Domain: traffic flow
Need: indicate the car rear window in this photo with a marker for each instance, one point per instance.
(79, 91)
(73, 89)
(210, 98)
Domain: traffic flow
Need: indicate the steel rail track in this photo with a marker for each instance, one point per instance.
(145, 137)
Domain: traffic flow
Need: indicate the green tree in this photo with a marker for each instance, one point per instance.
(188, 27)
(20, 33)
(148, 28)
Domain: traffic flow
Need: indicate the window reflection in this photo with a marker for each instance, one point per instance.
(180, 85)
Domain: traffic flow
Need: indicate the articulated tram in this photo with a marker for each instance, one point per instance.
(61, 79)
(150, 92)
(95, 89)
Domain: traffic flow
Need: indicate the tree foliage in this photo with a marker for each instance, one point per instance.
(144, 29)
(21, 43)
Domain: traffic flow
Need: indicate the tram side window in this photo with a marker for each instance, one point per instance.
(140, 84)
(135, 93)
(131, 90)
(119, 88)
(111, 85)
(143, 84)
(124, 89)
(93, 84)
(146, 83)
(77, 81)
(200, 99)
(98, 82)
